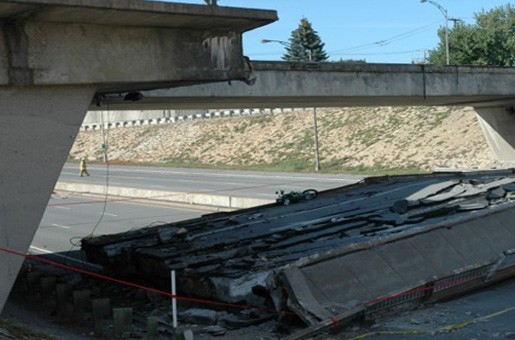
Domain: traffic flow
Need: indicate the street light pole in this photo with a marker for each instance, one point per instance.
(317, 158)
(446, 15)
(284, 43)
(310, 58)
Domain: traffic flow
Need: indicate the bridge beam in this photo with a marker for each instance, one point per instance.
(38, 129)
(498, 125)
(284, 84)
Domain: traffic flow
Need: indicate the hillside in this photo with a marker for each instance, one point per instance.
(350, 140)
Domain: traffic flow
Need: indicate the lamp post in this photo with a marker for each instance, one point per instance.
(446, 15)
(287, 44)
(317, 158)
(315, 125)
(284, 43)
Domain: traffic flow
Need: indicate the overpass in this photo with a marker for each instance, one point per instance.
(57, 55)
(284, 84)
(491, 90)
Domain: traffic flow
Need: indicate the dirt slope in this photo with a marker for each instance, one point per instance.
(349, 138)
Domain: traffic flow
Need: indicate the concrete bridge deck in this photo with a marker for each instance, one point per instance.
(156, 44)
(283, 84)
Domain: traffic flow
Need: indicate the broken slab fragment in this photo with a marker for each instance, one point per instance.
(199, 316)
(414, 200)
(215, 330)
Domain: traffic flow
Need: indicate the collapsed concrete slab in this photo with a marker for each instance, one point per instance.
(348, 252)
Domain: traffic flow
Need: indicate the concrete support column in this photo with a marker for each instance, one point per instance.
(498, 125)
(38, 126)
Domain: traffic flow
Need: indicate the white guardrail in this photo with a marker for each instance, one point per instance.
(166, 118)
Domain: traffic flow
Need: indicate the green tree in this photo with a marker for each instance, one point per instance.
(490, 41)
(305, 44)
(351, 61)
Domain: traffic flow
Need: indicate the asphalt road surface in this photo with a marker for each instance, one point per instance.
(229, 182)
(68, 218)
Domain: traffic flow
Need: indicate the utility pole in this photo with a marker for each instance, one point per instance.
(317, 158)
(104, 143)
(315, 124)
(446, 15)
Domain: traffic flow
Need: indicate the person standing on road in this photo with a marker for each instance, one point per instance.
(83, 167)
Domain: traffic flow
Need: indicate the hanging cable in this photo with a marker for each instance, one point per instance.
(75, 240)
(106, 162)
(387, 41)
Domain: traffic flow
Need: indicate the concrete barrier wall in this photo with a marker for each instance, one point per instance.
(203, 199)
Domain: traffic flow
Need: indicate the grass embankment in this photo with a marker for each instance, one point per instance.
(291, 165)
(384, 140)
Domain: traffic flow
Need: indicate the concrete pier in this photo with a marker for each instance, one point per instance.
(38, 127)
(498, 125)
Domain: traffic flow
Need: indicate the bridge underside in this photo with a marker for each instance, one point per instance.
(281, 84)
(162, 100)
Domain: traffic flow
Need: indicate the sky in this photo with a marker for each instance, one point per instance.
(378, 31)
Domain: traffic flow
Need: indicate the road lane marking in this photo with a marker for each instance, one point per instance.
(46, 251)
(68, 258)
(108, 214)
(61, 226)
(55, 206)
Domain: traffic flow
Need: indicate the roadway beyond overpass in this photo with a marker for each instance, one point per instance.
(57, 55)
(491, 90)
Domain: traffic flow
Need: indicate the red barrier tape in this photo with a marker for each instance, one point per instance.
(135, 285)
(424, 289)
(333, 320)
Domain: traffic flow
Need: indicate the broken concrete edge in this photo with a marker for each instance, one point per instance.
(437, 173)
(459, 281)
(396, 237)
(342, 321)
(145, 13)
(197, 199)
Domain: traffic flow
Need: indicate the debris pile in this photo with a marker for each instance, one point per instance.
(304, 256)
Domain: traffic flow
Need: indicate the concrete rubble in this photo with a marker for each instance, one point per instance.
(348, 253)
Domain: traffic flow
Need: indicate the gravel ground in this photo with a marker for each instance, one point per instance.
(488, 313)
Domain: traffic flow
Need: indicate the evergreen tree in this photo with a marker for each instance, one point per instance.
(305, 44)
(490, 41)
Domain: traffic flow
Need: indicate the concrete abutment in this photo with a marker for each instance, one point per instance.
(498, 125)
(37, 130)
